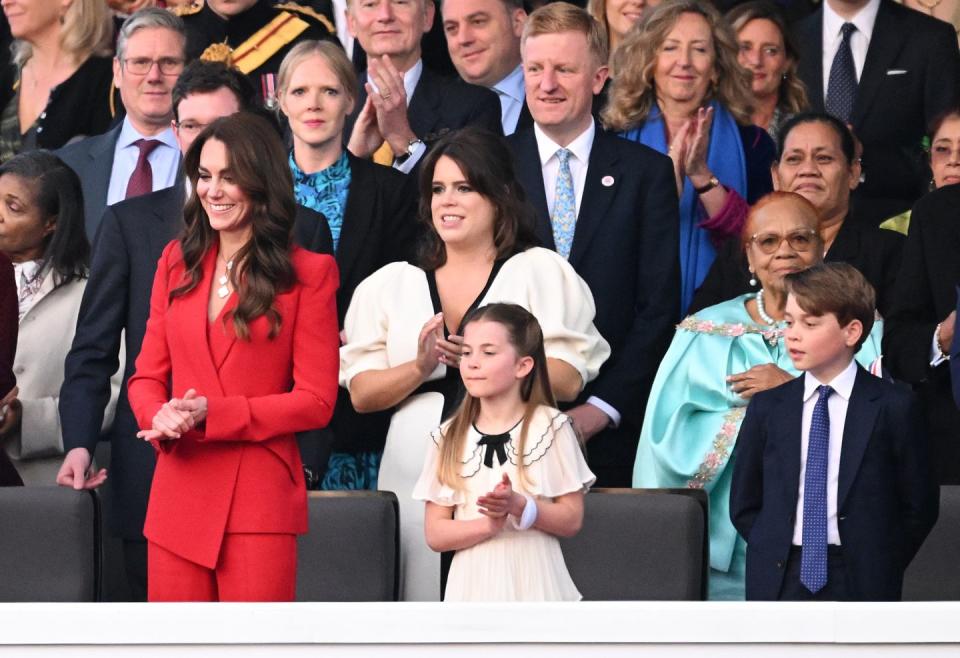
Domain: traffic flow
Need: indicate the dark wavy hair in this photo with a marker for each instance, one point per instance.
(58, 196)
(258, 162)
(487, 164)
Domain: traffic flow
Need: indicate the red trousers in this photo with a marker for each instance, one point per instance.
(251, 567)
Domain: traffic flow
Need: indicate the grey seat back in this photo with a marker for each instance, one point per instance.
(641, 544)
(352, 549)
(934, 574)
(50, 543)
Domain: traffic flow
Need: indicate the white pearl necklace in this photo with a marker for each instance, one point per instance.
(761, 311)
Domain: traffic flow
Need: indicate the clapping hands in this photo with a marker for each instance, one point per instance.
(689, 147)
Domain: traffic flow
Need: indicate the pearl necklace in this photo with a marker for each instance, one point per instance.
(224, 279)
(761, 311)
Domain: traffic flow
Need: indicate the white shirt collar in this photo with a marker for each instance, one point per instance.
(842, 384)
(129, 134)
(579, 147)
(411, 79)
(864, 20)
(512, 85)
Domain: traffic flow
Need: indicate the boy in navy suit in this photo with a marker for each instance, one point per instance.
(831, 485)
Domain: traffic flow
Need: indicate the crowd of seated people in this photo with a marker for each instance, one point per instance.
(663, 186)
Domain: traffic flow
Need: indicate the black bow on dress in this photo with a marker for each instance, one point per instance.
(494, 443)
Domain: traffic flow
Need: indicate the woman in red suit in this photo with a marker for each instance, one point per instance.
(240, 352)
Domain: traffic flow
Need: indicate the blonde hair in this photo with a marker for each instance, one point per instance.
(526, 337)
(330, 53)
(633, 93)
(86, 29)
(559, 17)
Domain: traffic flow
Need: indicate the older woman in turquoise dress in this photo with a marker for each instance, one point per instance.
(718, 360)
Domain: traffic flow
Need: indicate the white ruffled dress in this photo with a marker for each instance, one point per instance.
(516, 565)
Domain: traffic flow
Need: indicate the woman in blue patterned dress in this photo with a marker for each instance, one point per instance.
(371, 210)
(718, 360)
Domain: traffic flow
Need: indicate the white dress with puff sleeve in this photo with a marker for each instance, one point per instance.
(515, 565)
(382, 327)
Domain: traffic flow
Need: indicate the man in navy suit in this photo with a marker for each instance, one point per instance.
(613, 214)
(831, 488)
(402, 104)
(905, 71)
(484, 41)
(150, 56)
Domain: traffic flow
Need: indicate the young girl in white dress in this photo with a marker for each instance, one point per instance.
(506, 475)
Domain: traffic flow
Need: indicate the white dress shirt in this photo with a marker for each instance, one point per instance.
(511, 93)
(837, 403)
(580, 149)
(859, 40)
(411, 79)
(164, 161)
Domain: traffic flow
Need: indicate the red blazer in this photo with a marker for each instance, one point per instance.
(240, 471)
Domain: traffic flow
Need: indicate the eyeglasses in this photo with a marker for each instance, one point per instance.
(190, 127)
(143, 65)
(799, 240)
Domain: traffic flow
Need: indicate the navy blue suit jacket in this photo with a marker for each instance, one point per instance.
(626, 248)
(887, 498)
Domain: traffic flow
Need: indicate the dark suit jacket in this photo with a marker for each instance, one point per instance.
(875, 252)
(955, 363)
(924, 295)
(887, 500)
(116, 302)
(440, 105)
(892, 110)
(626, 248)
(92, 159)
(379, 225)
(9, 324)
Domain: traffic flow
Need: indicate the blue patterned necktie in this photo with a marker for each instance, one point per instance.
(842, 86)
(564, 216)
(813, 555)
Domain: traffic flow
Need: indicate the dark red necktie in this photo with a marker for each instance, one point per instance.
(141, 180)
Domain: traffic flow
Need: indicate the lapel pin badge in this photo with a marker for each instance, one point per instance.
(607, 181)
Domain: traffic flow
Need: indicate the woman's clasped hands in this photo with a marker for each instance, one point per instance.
(176, 417)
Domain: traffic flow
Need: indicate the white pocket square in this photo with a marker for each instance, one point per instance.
(896, 71)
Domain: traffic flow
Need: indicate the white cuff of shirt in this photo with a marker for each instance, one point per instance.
(407, 165)
(613, 414)
(936, 356)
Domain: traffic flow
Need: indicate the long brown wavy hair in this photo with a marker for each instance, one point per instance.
(633, 92)
(258, 163)
(486, 163)
(526, 337)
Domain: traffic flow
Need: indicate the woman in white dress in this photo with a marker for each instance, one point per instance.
(402, 330)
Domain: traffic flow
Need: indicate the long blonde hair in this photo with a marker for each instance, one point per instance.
(633, 92)
(526, 337)
(86, 29)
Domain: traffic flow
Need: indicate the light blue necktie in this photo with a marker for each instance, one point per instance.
(813, 554)
(564, 216)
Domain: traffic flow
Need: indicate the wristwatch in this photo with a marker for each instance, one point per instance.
(411, 149)
(712, 183)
